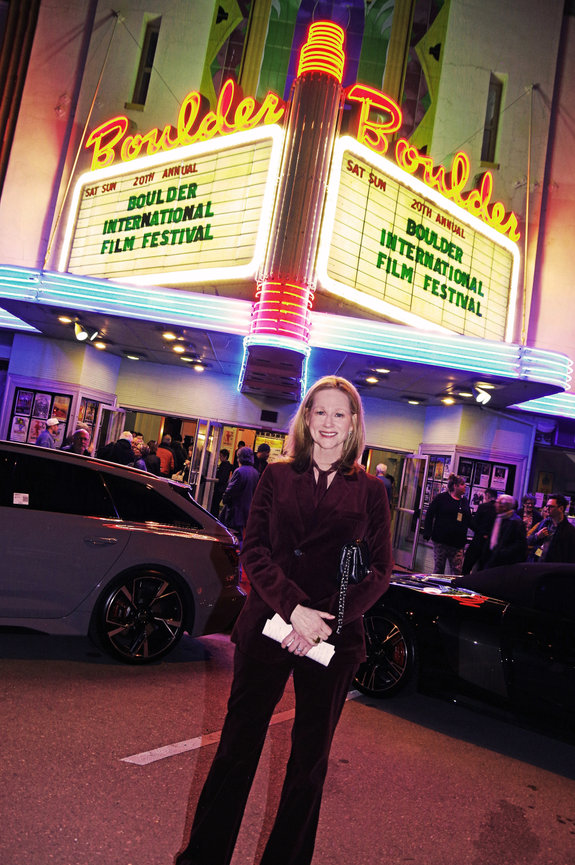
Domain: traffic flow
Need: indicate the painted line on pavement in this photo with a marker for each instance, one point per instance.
(146, 757)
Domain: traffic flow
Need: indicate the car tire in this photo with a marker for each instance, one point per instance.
(140, 616)
(391, 648)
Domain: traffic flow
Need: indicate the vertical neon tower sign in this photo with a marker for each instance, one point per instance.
(286, 283)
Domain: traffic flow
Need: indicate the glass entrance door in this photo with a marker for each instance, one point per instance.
(205, 461)
(408, 514)
(109, 425)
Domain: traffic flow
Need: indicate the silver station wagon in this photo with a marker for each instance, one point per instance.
(90, 547)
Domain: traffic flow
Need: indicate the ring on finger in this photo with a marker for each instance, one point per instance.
(317, 640)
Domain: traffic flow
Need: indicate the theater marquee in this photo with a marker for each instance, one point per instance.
(185, 216)
(396, 247)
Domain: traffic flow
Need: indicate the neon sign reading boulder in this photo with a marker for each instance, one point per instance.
(233, 113)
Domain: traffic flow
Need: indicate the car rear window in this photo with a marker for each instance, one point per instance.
(138, 502)
(42, 484)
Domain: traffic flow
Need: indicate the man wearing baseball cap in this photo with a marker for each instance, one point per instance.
(47, 438)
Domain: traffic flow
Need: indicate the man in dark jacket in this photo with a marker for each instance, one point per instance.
(262, 456)
(118, 452)
(239, 492)
(558, 544)
(507, 543)
(446, 522)
(223, 473)
(481, 523)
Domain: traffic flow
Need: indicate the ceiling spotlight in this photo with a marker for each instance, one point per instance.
(382, 370)
(372, 379)
(65, 319)
(81, 333)
(169, 335)
(199, 367)
(179, 349)
(481, 396)
(465, 393)
(132, 356)
(448, 400)
(100, 344)
(485, 385)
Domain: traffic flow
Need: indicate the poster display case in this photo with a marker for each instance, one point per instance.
(31, 409)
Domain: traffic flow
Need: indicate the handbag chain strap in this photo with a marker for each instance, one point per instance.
(343, 591)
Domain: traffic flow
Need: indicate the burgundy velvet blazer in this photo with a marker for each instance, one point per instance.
(291, 554)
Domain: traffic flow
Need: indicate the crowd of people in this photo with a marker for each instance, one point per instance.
(502, 533)
(167, 458)
(234, 485)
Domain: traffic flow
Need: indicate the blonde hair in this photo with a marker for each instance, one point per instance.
(455, 481)
(299, 443)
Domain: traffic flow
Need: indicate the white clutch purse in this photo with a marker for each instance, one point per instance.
(277, 629)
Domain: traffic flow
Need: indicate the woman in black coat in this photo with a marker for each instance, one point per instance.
(304, 509)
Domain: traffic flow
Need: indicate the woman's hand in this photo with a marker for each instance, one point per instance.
(309, 629)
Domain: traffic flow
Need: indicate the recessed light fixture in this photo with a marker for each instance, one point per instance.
(65, 319)
(169, 335)
(179, 349)
(382, 370)
(465, 393)
(448, 400)
(100, 345)
(485, 385)
(372, 379)
(199, 367)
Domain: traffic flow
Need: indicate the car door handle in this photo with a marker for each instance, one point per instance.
(101, 542)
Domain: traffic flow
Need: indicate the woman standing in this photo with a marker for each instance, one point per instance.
(304, 509)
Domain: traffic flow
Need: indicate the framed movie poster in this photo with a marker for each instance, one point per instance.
(499, 478)
(42, 402)
(478, 497)
(24, 400)
(465, 469)
(482, 471)
(439, 469)
(19, 428)
(61, 407)
(37, 425)
(90, 411)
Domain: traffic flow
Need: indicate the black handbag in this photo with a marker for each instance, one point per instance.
(353, 568)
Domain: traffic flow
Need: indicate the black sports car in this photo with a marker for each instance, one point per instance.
(506, 634)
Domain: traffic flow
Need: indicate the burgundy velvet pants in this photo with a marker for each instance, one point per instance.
(320, 694)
